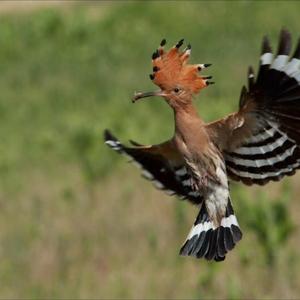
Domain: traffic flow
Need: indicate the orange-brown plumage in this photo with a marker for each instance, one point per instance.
(173, 70)
(257, 144)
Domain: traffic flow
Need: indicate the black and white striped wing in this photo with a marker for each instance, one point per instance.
(160, 164)
(269, 155)
(272, 150)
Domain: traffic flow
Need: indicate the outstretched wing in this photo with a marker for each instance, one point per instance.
(161, 164)
(261, 141)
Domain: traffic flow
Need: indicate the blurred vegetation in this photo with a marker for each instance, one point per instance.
(76, 220)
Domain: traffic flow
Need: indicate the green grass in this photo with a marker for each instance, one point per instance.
(76, 220)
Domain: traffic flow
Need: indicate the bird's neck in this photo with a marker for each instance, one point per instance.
(187, 120)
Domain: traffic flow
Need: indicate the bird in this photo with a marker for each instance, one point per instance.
(257, 144)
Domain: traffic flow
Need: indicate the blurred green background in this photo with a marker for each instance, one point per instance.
(77, 221)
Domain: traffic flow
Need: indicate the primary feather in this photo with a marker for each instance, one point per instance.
(255, 145)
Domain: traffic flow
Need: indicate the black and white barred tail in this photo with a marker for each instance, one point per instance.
(205, 240)
(273, 151)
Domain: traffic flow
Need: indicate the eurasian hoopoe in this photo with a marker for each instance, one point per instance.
(255, 145)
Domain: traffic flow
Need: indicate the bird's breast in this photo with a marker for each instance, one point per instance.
(192, 142)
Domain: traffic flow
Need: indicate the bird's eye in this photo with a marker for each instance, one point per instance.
(176, 90)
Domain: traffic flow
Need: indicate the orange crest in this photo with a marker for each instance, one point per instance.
(170, 69)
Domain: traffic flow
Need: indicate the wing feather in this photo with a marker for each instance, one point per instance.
(160, 164)
(261, 141)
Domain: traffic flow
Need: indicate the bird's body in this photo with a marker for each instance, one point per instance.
(194, 144)
(206, 167)
(257, 144)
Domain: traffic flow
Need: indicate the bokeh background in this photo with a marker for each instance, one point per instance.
(77, 221)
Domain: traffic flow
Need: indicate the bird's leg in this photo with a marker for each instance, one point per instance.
(199, 182)
(204, 180)
(194, 184)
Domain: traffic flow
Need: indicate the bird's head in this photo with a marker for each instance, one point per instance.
(178, 80)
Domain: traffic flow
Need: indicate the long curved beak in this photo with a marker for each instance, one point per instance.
(140, 95)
